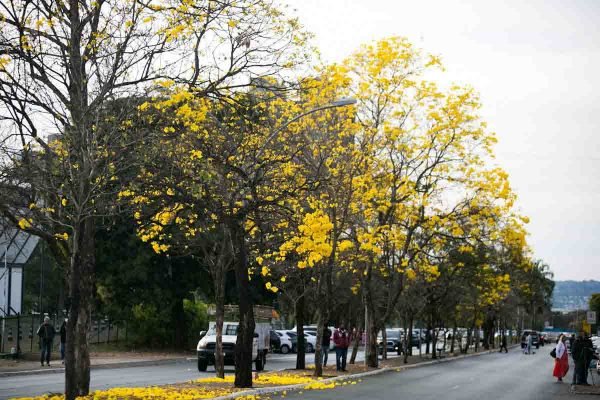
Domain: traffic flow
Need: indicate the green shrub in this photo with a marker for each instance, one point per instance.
(196, 319)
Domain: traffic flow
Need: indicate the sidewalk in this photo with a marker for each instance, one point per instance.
(98, 360)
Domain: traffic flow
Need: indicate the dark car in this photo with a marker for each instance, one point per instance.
(534, 334)
(394, 341)
(543, 338)
(275, 341)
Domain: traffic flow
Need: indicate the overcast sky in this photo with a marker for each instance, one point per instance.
(537, 67)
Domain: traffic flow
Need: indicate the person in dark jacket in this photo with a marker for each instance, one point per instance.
(587, 353)
(63, 340)
(341, 339)
(571, 342)
(46, 333)
(577, 352)
(503, 343)
(325, 343)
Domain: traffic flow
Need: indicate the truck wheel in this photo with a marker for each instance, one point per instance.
(202, 364)
(284, 349)
(260, 364)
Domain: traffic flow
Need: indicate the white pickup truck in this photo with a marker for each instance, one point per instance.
(208, 343)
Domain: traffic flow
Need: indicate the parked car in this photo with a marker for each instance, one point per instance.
(206, 346)
(535, 335)
(286, 341)
(394, 341)
(275, 341)
(309, 342)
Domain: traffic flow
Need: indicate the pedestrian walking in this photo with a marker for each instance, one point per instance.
(587, 353)
(571, 342)
(503, 343)
(341, 339)
(63, 339)
(561, 362)
(46, 333)
(325, 343)
(529, 342)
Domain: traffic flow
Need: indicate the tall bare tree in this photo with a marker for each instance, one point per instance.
(62, 65)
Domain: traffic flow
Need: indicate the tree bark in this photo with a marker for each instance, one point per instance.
(373, 357)
(318, 344)
(219, 316)
(300, 353)
(81, 288)
(409, 347)
(355, 342)
(384, 339)
(245, 334)
(179, 334)
(453, 339)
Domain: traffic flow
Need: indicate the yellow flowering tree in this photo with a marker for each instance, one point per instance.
(426, 144)
(234, 165)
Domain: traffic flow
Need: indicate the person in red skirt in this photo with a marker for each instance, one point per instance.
(561, 362)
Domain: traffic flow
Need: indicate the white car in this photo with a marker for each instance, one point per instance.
(286, 342)
(207, 344)
(311, 340)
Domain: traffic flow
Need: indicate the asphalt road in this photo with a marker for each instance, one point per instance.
(493, 377)
(33, 385)
(512, 376)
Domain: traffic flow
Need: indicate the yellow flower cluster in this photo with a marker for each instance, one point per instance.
(313, 240)
(320, 386)
(145, 393)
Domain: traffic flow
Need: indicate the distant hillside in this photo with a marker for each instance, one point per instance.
(573, 295)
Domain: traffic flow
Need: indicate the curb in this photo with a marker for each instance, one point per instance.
(279, 389)
(126, 364)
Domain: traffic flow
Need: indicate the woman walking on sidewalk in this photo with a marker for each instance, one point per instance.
(561, 362)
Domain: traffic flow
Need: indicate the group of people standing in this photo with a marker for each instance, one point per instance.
(582, 351)
(341, 340)
(46, 333)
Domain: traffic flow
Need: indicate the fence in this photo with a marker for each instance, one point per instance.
(18, 333)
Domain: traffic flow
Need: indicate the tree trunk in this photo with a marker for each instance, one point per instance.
(469, 335)
(453, 339)
(445, 340)
(219, 316)
(245, 335)
(434, 344)
(405, 342)
(300, 354)
(384, 339)
(179, 333)
(355, 343)
(318, 345)
(373, 357)
(81, 289)
(409, 339)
